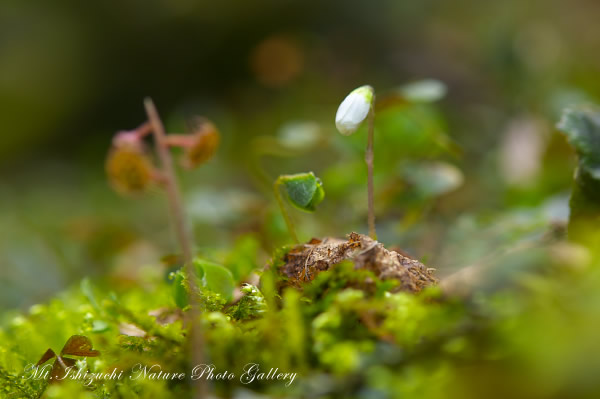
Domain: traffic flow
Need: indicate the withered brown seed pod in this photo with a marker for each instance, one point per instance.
(202, 143)
(129, 169)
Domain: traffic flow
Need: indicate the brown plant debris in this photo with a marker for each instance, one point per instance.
(305, 261)
(77, 345)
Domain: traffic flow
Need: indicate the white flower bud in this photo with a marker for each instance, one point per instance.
(353, 110)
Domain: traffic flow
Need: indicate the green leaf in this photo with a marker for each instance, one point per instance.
(582, 128)
(304, 190)
(180, 295)
(423, 91)
(215, 278)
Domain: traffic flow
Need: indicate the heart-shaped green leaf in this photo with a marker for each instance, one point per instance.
(215, 278)
(304, 190)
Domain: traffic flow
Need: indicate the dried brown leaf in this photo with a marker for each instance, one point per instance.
(49, 354)
(59, 368)
(305, 261)
(79, 345)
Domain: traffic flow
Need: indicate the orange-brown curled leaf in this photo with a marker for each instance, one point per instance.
(49, 354)
(129, 169)
(79, 345)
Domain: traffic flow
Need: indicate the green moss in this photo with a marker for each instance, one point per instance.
(251, 305)
(346, 330)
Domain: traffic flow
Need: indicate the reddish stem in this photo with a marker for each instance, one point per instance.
(184, 235)
(179, 140)
(172, 188)
(144, 129)
(369, 161)
(132, 137)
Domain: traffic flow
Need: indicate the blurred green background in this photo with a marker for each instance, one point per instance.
(455, 180)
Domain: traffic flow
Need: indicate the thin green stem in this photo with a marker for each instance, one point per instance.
(369, 161)
(286, 216)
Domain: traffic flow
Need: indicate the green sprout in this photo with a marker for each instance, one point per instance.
(304, 191)
(355, 108)
(359, 106)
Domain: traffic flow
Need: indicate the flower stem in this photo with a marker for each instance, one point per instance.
(171, 186)
(179, 140)
(369, 161)
(183, 234)
(144, 129)
(286, 216)
(132, 137)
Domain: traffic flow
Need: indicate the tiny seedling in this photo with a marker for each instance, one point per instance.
(355, 108)
(303, 190)
(130, 170)
(77, 345)
(360, 105)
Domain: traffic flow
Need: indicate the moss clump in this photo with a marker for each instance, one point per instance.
(250, 306)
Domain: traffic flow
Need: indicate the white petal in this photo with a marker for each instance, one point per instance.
(354, 110)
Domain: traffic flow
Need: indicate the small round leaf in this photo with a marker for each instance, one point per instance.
(304, 190)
